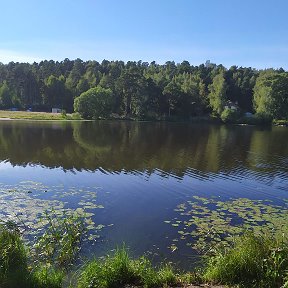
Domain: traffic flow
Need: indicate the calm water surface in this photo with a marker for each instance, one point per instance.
(141, 171)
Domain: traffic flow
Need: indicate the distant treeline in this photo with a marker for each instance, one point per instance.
(144, 90)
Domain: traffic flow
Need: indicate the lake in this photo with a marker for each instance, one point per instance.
(134, 177)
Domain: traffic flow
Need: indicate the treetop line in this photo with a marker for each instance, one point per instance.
(143, 90)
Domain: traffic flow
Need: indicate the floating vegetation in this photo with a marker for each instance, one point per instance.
(61, 240)
(205, 222)
(34, 207)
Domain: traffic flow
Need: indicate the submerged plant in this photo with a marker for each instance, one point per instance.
(61, 241)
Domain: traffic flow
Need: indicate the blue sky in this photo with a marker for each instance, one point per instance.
(229, 32)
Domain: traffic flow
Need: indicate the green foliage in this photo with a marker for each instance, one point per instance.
(133, 90)
(64, 114)
(140, 90)
(14, 264)
(120, 270)
(13, 257)
(253, 261)
(206, 229)
(280, 122)
(94, 103)
(271, 95)
(229, 115)
(256, 119)
(263, 99)
(240, 82)
(75, 116)
(46, 277)
(60, 243)
(217, 95)
(6, 96)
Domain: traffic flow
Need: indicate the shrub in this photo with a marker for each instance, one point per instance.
(229, 115)
(94, 103)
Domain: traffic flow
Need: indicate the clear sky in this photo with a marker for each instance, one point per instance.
(250, 33)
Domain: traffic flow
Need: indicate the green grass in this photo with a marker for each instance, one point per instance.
(253, 261)
(46, 277)
(38, 115)
(120, 270)
(14, 268)
(13, 258)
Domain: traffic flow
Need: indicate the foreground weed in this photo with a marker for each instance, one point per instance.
(13, 256)
(47, 277)
(115, 271)
(120, 270)
(253, 261)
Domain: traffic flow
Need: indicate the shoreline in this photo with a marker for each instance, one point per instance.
(49, 116)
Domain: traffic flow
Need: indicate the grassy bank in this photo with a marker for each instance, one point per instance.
(252, 261)
(19, 268)
(37, 115)
(27, 115)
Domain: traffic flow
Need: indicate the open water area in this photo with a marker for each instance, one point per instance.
(136, 179)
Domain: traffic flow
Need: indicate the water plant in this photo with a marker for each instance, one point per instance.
(205, 223)
(252, 261)
(61, 241)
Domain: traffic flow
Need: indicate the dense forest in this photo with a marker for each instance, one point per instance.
(144, 90)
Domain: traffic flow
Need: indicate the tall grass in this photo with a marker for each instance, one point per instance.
(15, 271)
(13, 258)
(46, 277)
(120, 270)
(253, 261)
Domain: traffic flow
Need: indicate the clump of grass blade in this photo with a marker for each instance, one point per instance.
(120, 270)
(253, 261)
(13, 257)
(113, 272)
(47, 277)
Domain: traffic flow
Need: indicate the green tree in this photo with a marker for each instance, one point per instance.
(94, 103)
(280, 95)
(5, 96)
(270, 97)
(132, 87)
(240, 82)
(172, 92)
(55, 92)
(75, 76)
(194, 100)
(217, 96)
